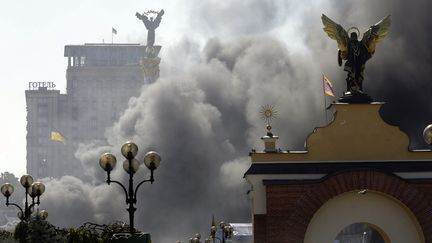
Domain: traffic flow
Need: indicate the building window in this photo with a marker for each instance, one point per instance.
(82, 61)
(359, 232)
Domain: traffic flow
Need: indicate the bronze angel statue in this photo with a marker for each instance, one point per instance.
(355, 52)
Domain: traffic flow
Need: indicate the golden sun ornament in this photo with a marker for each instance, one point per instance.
(268, 113)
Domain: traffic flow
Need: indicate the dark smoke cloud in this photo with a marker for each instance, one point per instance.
(403, 72)
(233, 18)
(400, 71)
(203, 123)
(202, 115)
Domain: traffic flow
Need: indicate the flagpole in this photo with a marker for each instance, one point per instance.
(325, 100)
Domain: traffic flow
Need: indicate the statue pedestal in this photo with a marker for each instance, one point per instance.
(355, 98)
(150, 67)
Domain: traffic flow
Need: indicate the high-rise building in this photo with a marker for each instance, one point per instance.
(101, 78)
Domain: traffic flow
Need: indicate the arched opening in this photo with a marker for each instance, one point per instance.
(361, 233)
(393, 221)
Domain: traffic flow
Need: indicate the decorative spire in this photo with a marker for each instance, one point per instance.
(268, 113)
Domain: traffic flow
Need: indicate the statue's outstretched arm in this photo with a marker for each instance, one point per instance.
(138, 15)
(144, 18)
(158, 18)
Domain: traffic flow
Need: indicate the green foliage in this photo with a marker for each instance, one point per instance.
(7, 177)
(83, 235)
(21, 231)
(6, 237)
(40, 231)
(113, 228)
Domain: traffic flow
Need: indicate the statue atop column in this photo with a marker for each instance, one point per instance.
(355, 52)
(151, 24)
(150, 61)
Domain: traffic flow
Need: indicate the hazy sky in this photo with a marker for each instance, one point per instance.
(221, 61)
(34, 34)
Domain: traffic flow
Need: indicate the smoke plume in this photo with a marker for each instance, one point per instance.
(202, 115)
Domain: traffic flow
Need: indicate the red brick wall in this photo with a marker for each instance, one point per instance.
(259, 228)
(291, 207)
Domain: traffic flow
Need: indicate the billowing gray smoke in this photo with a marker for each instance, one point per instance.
(202, 115)
(203, 124)
(400, 71)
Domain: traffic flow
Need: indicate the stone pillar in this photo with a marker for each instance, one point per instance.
(270, 143)
(150, 66)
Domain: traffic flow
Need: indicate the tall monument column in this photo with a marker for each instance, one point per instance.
(150, 62)
(150, 65)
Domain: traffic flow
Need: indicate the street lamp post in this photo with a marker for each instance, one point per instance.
(32, 189)
(129, 150)
(226, 231)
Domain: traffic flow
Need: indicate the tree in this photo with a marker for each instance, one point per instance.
(38, 231)
(6, 237)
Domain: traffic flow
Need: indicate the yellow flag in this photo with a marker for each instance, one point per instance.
(56, 136)
(328, 87)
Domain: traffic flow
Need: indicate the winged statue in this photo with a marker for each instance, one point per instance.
(151, 24)
(355, 52)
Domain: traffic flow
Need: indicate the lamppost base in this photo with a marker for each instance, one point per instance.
(131, 238)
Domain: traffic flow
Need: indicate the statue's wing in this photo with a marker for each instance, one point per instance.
(376, 33)
(336, 32)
